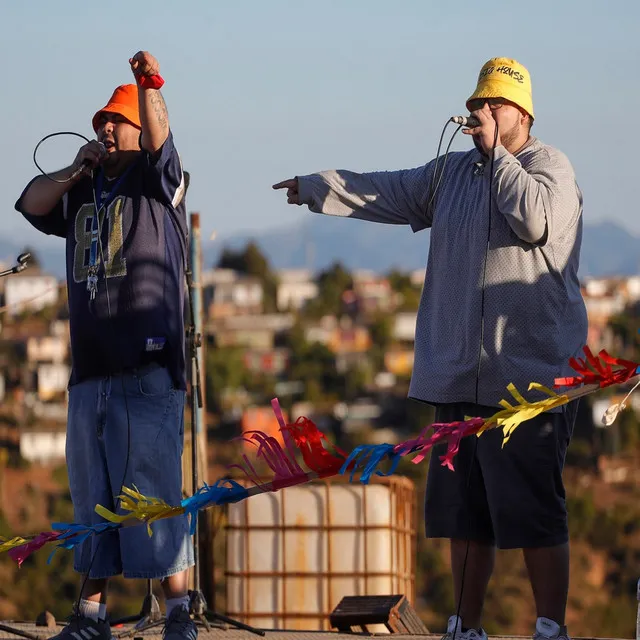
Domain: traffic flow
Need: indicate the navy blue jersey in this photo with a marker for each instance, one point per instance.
(137, 316)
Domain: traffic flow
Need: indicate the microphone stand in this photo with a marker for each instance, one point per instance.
(20, 266)
(198, 606)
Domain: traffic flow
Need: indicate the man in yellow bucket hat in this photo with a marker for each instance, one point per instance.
(501, 304)
(502, 83)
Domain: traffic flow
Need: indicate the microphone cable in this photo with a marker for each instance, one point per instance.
(76, 173)
(433, 192)
(433, 188)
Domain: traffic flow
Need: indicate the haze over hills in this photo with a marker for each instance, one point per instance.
(316, 241)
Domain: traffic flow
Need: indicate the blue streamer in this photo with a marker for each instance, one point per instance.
(76, 534)
(369, 456)
(224, 491)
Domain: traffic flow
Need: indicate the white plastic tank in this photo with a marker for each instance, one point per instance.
(294, 554)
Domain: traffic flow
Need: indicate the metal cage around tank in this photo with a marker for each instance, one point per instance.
(292, 555)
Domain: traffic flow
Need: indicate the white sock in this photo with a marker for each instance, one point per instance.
(92, 609)
(547, 627)
(172, 603)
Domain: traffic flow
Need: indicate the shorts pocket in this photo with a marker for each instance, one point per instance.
(156, 383)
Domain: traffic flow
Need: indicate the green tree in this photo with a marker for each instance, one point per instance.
(315, 365)
(332, 284)
(252, 262)
(409, 294)
(225, 370)
(624, 327)
(249, 260)
(381, 332)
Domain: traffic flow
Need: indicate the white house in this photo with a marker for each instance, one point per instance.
(295, 288)
(405, 326)
(33, 292)
(226, 293)
(43, 445)
(47, 348)
(53, 380)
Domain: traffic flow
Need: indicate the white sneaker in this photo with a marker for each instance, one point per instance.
(469, 634)
(549, 630)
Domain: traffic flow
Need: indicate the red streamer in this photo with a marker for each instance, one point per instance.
(598, 370)
(309, 441)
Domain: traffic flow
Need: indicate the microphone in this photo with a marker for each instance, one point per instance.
(86, 164)
(466, 121)
(20, 266)
(23, 258)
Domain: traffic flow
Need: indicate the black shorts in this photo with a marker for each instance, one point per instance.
(511, 496)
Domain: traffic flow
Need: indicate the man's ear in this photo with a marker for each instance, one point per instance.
(527, 120)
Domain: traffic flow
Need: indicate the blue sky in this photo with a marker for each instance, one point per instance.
(261, 90)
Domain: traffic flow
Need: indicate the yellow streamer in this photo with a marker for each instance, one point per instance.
(512, 415)
(140, 507)
(6, 545)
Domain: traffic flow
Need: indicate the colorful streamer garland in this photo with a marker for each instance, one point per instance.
(304, 438)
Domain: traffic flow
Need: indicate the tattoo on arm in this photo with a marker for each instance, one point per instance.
(160, 109)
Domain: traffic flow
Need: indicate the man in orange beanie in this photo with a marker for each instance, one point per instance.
(120, 207)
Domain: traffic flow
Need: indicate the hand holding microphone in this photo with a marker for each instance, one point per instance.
(482, 125)
(89, 157)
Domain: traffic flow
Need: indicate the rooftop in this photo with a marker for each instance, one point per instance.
(218, 633)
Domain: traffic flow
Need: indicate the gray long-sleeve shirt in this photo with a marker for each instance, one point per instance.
(525, 318)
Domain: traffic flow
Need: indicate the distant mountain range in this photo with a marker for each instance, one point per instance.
(317, 241)
(608, 249)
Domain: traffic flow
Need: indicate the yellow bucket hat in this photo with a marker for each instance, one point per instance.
(505, 78)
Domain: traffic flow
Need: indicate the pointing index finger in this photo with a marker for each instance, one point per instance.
(285, 184)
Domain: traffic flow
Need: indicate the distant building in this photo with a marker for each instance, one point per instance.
(399, 361)
(43, 445)
(355, 339)
(270, 361)
(30, 292)
(404, 326)
(53, 380)
(227, 293)
(373, 293)
(603, 298)
(417, 277)
(51, 348)
(295, 288)
(261, 419)
(320, 331)
(257, 332)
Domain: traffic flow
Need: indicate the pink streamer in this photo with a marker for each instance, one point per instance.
(21, 553)
(286, 434)
(286, 472)
(451, 433)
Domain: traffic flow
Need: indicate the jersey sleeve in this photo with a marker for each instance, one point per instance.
(54, 223)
